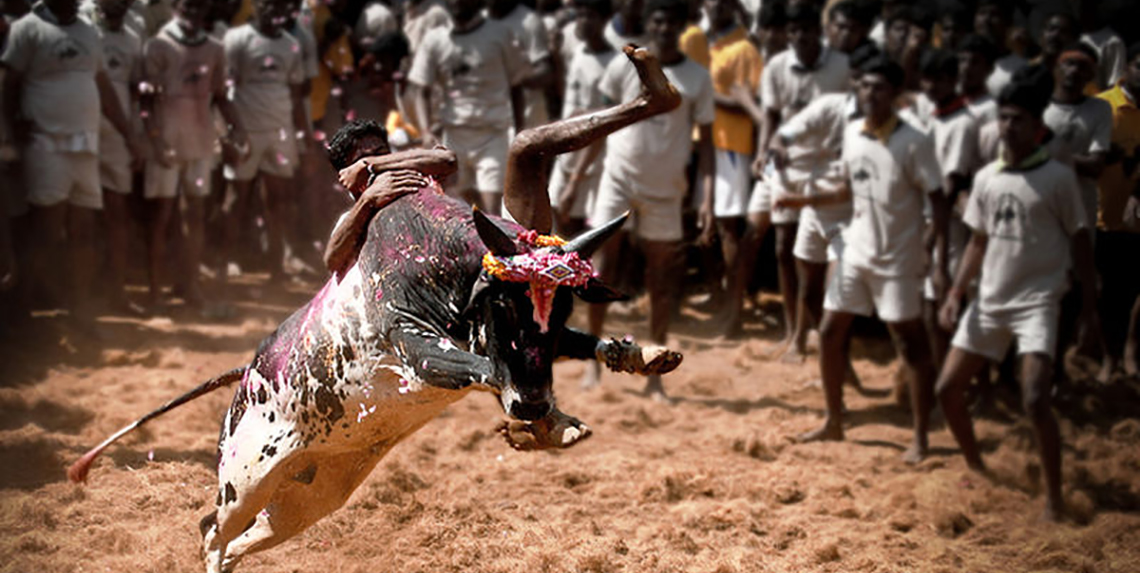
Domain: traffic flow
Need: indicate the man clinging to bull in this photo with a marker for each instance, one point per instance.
(439, 302)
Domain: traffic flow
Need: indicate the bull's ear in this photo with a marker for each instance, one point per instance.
(596, 291)
(494, 237)
(480, 285)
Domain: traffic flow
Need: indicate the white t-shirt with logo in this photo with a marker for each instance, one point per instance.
(263, 70)
(1029, 218)
(530, 37)
(654, 152)
(816, 136)
(122, 61)
(787, 85)
(583, 79)
(187, 72)
(889, 183)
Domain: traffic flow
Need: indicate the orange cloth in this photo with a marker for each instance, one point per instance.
(1113, 186)
(734, 60)
(396, 121)
(695, 45)
(336, 61)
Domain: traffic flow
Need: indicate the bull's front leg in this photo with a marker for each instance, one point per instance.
(618, 355)
(437, 362)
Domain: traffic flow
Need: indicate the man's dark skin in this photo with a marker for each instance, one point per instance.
(877, 96)
(973, 69)
(1060, 31)
(1019, 129)
(1071, 75)
(541, 72)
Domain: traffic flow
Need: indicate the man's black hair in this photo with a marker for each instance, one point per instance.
(678, 9)
(1030, 88)
(938, 63)
(772, 15)
(853, 10)
(860, 55)
(981, 45)
(1005, 8)
(804, 13)
(962, 16)
(342, 145)
(886, 67)
(604, 8)
(391, 44)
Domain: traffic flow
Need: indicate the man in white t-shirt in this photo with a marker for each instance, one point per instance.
(122, 53)
(531, 40)
(266, 66)
(55, 84)
(789, 82)
(574, 183)
(955, 133)
(481, 72)
(1029, 227)
(976, 56)
(891, 170)
(628, 25)
(645, 169)
(992, 20)
(1097, 31)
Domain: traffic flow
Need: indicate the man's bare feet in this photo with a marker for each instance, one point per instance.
(793, 355)
(658, 94)
(827, 433)
(1054, 511)
(655, 390)
(591, 378)
(915, 454)
(556, 430)
(1130, 363)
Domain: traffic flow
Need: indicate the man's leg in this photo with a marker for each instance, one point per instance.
(605, 262)
(729, 231)
(786, 272)
(914, 348)
(159, 225)
(1036, 390)
(81, 223)
(809, 300)
(525, 186)
(939, 339)
(236, 221)
(834, 331)
(278, 194)
(194, 222)
(957, 371)
(116, 223)
(756, 227)
(1131, 342)
(661, 281)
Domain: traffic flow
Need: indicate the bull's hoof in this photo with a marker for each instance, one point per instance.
(556, 430)
(626, 356)
(659, 95)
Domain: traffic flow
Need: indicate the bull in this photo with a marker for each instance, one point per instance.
(442, 301)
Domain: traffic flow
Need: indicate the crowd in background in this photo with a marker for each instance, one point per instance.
(965, 170)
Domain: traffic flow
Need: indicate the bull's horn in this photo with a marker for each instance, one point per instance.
(494, 237)
(588, 242)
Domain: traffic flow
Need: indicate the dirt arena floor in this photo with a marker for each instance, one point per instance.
(710, 484)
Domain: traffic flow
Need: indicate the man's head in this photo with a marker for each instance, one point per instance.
(804, 31)
(1060, 31)
(382, 63)
(976, 56)
(113, 11)
(464, 11)
(848, 26)
(955, 22)
(664, 22)
(592, 16)
(1076, 67)
(939, 75)
(721, 13)
(357, 139)
(270, 16)
(897, 25)
(882, 79)
(772, 24)
(1131, 77)
(992, 19)
(858, 57)
(193, 13)
(1021, 105)
(65, 11)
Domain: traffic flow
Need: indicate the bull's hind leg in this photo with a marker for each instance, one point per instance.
(322, 486)
(525, 193)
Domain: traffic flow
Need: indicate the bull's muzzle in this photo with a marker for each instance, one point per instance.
(529, 411)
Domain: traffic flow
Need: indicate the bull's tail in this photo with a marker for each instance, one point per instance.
(78, 471)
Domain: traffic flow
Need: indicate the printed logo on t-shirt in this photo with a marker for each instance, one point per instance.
(115, 57)
(68, 49)
(462, 62)
(864, 175)
(1009, 218)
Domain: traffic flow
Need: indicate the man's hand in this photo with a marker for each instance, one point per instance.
(941, 282)
(788, 201)
(741, 93)
(948, 314)
(163, 153)
(355, 177)
(391, 185)
(707, 223)
(1132, 212)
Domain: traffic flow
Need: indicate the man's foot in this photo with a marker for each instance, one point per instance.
(591, 378)
(556, 430)
(655, 390)
(915, 454)
(124, 305)
(825, 433)
(1054, 511)
(1107, 365)
(1130, 363)
(793, 355)
(658, 94)
(776, 350)
(976, 464)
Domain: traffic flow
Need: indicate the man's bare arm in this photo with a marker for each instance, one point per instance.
(439, 163)
(348, 237)
(112, 108)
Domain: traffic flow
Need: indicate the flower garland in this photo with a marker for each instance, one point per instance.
(544, 267)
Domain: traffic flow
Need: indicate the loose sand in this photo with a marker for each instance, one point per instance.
(711, 483)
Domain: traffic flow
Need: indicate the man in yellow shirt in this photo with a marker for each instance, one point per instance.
(735, 66)
(1118, 222)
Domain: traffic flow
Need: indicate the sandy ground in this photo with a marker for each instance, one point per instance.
(711, 483)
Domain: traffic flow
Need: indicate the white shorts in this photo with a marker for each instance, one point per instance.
(733, 171)
(818, 241)
(763, 195)
(654, 218)
(53, 177)
(192, 177)
(482, 157)
(587, 190)
(859, 291)
(114, 162)
(989, 333)
(270, 152)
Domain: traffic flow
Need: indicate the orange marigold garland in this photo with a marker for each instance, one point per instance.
(545, 267)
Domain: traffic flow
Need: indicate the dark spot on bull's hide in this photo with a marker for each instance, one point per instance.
(328, 404)
(262, 395)
(271, 417)
(218, 501)
(269, 451)
(237, 409)
(231, 493)
(306, 475)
